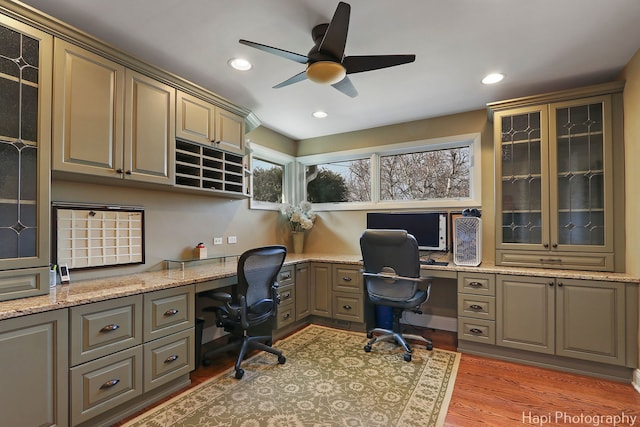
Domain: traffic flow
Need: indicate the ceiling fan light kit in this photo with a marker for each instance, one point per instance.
(326, 63)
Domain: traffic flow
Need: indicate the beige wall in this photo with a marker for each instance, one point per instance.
(339, 231)
(631, 100)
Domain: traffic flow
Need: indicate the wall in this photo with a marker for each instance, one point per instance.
(342, 229)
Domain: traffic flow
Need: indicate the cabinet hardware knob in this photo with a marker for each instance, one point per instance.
(475, 331)
(475, 307)
(551, 284)
(127, 172)
(286, 295)
(475, 284)
(546, 246)
(285, 276)
(560, 284)
(286, 316)
(171, 312)
(119, 170)
(171, 358)
(110, 383)
(347, 307)
(346, 279)
(110, 328)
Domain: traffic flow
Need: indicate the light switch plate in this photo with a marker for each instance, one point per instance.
(217, 240)
(232, 239)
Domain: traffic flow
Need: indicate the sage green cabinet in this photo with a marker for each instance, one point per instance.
(581, 319)
(336, 291)
(555, 186)
(34, 370)
(303, 295)
(477, 307)
(287, 291)
(320, 276)
(110, 121)
(25, 140)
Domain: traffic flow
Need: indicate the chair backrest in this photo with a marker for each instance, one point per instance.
(391, 251)
(257, 272)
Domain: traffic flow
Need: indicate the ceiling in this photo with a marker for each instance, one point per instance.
(540, 46)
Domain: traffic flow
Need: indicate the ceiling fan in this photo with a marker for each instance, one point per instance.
(326, 62)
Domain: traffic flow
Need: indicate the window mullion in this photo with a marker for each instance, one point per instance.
(375, 178)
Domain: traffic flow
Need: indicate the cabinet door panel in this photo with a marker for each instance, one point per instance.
(149, 129)
(302, 286)
(591, 319)
(321, 289)
(88, 112)
(195, 119)
(525, 315)
(229, 131)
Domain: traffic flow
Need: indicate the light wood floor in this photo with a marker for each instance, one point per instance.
(490, 392)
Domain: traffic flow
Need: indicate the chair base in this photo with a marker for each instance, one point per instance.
(399, 338)
(246, 344)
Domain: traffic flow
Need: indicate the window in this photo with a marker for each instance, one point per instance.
(270, 179)
(438, 173)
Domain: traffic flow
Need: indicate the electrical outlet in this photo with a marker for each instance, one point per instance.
(232, 239)
(217, 240)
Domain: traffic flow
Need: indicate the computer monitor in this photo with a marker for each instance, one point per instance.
(429, 228)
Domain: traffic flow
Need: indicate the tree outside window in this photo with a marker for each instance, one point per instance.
(267, 181)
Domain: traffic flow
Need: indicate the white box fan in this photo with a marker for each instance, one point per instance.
(467, 241)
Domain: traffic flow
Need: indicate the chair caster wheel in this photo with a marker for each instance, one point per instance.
(369, 335)
(239, 373)
(429, 346)
(281, 359)
(367, 348)
(407, 357)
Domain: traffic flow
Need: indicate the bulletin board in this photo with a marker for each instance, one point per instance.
(97, 236)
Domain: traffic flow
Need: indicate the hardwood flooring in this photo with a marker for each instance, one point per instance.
(491, 392)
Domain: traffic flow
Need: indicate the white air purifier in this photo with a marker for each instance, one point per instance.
(467, 241)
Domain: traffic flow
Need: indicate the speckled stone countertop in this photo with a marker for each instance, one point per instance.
(88, 291)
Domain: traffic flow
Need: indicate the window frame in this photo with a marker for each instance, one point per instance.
(472, 140)
(281, 159)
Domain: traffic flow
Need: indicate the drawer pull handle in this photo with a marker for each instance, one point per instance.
(286, 295)
(286, 316)
(555, 260)
(475, 331)
(110, 328)
(475, 284)
(347, 307)
(109, 383)
(171, 358)
(475, 307)
(285, 276)
(346, 279)
(171, 312)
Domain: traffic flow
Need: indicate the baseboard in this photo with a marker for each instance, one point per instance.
(442, 323)
(636, 380)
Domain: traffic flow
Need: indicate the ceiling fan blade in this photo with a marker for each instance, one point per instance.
(291, 80)
(359, 64)
(335, 38)
(302, 59)
(345, 86)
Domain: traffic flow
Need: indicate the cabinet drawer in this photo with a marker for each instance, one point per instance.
(168, 311)
(286, 314)
(27, 282)
(477, 283)
(105, 383)
(286, 276)
(103, 328)
(477, 306)
(168, 358)
(563, 260)
(477, 330)
(287, 293)
(347, 279)
(347, 306)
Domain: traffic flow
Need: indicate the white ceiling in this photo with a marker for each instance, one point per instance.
(539, 45)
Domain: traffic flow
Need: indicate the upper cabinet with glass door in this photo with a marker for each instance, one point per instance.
(554, 168)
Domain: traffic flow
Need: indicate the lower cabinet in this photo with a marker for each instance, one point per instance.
(477, 307)
(303, 296)
(122, 348)
(34, 370)
(336, 291)
(287, 292)
(581, 319)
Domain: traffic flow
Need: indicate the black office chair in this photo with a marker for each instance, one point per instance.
(255, 304)
(392, 276)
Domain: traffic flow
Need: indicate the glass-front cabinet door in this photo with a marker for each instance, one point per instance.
(554, 192)
(25, 138)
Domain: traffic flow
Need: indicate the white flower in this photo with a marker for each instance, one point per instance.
(300, 217)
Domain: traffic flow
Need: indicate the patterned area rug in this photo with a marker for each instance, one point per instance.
(327, 380)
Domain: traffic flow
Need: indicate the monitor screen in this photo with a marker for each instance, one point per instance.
(429, 228)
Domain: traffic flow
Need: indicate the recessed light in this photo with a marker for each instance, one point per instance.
(240, 64)
(319, 114)
(493, 78)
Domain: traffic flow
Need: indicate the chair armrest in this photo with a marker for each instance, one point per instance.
(395, 277)
(222, 296)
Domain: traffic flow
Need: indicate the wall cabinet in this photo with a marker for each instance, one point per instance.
(25, 139)
(110, 121)
(555, 192)
(202, 122)
(581, 319)
(34, 370)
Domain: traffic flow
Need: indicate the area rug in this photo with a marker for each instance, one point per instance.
(328, 380)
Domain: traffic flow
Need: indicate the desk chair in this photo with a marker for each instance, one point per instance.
(255, 304)
(392, 276)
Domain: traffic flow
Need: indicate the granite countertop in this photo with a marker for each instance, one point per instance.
(88, 291)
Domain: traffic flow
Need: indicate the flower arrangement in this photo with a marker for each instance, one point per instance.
(300, 217)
